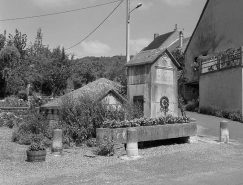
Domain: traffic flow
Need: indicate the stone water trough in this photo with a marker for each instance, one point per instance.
(148, 133)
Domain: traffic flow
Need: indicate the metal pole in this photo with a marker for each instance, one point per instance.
(128, 31)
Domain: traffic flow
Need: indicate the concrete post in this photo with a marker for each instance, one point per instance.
(224, 132)
(57, 142)
(132, 142)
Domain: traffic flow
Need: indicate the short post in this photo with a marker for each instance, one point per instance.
(57, 142)
(224, 132)
(132, 142)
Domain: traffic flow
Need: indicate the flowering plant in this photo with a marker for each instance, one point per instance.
(144, 122)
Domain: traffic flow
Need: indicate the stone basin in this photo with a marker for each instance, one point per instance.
(147, 133)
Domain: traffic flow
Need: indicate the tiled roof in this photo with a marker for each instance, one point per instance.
(156, 43)
(96, 90)
(145, 57)
(154, 49)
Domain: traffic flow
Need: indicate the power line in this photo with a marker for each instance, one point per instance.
(68, 11)
(97, 26)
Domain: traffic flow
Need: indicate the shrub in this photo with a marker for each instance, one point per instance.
(106, 149)
(76, 119)
(235, 115)
(218, 113)
(91, 142)
(32, 125)
(225, 113)
(80, 118)
(23, 95)
(192, 105)
(37, 100)
(13, 101)
(9, 119)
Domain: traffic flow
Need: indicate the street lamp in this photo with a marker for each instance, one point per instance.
(128, 28)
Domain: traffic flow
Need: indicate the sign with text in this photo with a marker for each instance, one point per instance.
(164, 76)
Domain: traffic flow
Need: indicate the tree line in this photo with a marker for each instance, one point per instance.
(50, 72)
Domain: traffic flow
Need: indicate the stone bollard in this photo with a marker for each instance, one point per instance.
(224, 132)
(57, 142)
(132, 143)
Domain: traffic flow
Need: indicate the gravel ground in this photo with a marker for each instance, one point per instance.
(15, 170)
(171, 164)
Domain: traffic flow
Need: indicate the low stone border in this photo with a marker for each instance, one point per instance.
(147, 133)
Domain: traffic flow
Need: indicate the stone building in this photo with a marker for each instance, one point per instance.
(213, 69)
(153, 72)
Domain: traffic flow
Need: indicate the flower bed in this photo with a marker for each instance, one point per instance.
(144, 122)
(149, 129)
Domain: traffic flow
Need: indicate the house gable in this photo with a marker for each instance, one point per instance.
(149, 54)
(219, 28)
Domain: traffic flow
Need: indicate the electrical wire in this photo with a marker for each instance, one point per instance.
(97, 26)
(68, 11)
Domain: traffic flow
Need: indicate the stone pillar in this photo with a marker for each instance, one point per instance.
(57, 142)
(132, 142)
(224, 132)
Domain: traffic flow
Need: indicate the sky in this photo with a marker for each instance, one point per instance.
(154, 16)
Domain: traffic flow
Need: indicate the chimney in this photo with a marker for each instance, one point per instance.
(4, 32)
(181, 37)
(176, 28)
(156, 35)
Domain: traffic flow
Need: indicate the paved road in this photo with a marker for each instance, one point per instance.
(211, 125)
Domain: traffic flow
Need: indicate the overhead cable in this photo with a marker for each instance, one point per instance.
(57, 13)
(97, 26)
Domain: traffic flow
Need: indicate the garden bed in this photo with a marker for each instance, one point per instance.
(147, 133)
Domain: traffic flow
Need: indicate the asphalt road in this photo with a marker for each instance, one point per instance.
(211, 126)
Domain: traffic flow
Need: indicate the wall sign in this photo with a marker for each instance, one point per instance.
(164, 76)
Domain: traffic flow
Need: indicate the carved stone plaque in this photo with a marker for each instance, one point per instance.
(164, 76)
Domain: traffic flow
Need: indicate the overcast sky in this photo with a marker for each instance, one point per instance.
(155, 16)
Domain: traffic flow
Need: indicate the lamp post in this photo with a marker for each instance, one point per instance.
(128, 28)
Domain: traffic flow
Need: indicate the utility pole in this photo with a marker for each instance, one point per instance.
(128, 31)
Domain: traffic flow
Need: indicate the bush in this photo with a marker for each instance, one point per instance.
(37, 100)
(33, 125)
(225, 114)
(192, 105)
(106, 149)
(13, 101)
(23, 95)
(235, 115)
(218, 113)
(91, 142)
(76, 119)
(9, 119)
(80, 118)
